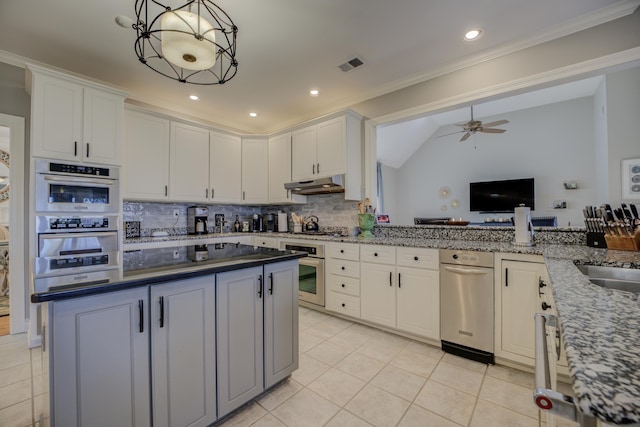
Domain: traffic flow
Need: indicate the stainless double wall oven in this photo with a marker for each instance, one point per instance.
(77, 224)
(311, 270)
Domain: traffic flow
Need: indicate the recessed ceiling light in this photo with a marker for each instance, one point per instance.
(473, 34)
(314, 92)
(253, 114)
(193, 97)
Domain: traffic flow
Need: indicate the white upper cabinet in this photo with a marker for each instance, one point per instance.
(189, 171)
(225, 168)
(254, 170)
(280, 170)
(146, 157)
(75, 120)
(328, 148)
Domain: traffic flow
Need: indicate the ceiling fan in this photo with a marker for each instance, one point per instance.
(473, 126)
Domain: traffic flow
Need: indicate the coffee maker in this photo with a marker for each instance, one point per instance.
(197, 217)
(271, 223)
(257, 223)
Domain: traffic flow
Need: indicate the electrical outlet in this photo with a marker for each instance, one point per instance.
(176, 212)
(176, 254)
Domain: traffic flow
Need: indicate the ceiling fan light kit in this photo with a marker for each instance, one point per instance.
(195, 43)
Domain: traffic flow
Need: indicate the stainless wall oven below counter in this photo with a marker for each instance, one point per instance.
(311, 272)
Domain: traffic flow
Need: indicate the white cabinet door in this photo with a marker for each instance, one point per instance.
(102, 131)
(225, 168)
(56, 115)
(189, 172)
(239, 314)
(378, 293)
(146, 157)
(331, 140)
(255, 176)
(418, 302)
(100, 360)
(280, 170)
(183, 348)
(303, 154)
(280, 321)
(519, 297)
(73, 121)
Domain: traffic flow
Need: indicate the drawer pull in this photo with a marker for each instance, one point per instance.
(341, 251)
(344, 305)
(415, 258)
(342, 285)
(375, 254)
(343, 268)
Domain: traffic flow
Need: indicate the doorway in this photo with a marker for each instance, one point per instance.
(13, 285)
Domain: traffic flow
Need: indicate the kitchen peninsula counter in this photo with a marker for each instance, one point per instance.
(142, 267)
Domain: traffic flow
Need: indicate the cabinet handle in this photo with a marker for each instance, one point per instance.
(541, 285)
(270, 283)
(391, 278)
(344, 305)
(162, 312)
(375, 254)
(342, 268)
(75, 148)
(260, 286)
(506, 277)
(341, 251)
(43, 334)
(87, 149)
(166, 190)
(318, 168)
(313, 169)
(545, 306)
(415, 258)
(399, 281)
(213, 191)
(206, 193)
(141, 315)
(243, 195)
(343, 285)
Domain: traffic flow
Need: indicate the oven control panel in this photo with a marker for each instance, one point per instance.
(79, 169)
(75, 223)
(78, 222)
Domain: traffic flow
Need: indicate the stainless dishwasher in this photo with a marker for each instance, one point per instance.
(467, 304)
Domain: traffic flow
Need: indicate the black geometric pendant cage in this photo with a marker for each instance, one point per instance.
(192, 42)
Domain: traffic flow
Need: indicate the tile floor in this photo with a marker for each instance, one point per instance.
(350, 375)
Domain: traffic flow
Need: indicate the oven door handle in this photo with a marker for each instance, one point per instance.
(78, 235)
(72, 180)
(465, 270)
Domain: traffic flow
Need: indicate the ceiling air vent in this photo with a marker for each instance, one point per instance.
(351, 64)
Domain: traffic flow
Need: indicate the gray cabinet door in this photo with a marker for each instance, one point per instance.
(183, 375)
(100, 360)
(239, 313)
(280, 321)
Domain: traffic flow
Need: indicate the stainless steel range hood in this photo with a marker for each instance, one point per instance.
(333, 184)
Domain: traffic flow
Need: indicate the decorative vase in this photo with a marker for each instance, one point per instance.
(366, 222)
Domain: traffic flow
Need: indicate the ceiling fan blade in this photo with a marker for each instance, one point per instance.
(447, 134)
(462, 124)
(493, 124)
(465, 137)
(491, 130)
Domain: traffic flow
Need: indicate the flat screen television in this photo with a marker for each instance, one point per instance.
(501, 196)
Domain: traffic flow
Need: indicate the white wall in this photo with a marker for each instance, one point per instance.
(601, 171)
(552, 144)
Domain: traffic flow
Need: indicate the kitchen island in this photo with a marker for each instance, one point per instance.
(185, 336)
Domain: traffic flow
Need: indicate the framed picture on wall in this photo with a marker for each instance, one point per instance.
(631, 179)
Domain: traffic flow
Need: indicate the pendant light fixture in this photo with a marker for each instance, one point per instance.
(194, 42)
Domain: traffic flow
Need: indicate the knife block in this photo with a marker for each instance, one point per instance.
(596, 240)
(623, 243)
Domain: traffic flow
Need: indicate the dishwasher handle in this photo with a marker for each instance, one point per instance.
(465, 270)
(544, 397)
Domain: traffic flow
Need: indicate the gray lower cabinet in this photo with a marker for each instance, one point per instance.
(183, 353)
(257, 331)
(99, 360)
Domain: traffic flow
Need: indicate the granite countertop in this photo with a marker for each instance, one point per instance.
(142, 267)
(600, 327)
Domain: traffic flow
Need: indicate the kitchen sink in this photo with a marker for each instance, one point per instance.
(624, 279)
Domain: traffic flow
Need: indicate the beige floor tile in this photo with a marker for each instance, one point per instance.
(329, 327)
(509, 395)
(346, 419)
(489, 414)
(446, 402)
(425, 349)
(274, 397)
(307, 341)
(360, 366)
(392, 339)
(15, 374)
(512, 375)
(418, 417)
(456, 377)
(244, 416)
(18, 415)
(380, 350)
(416, 363)
(399, 382)
(461, 362)
(328, 353)
(337, 386)
(350, 338)
(268, 421)
(15, 393)
(305, 409)
(377, 406)
(320, 331)
(309, 369)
